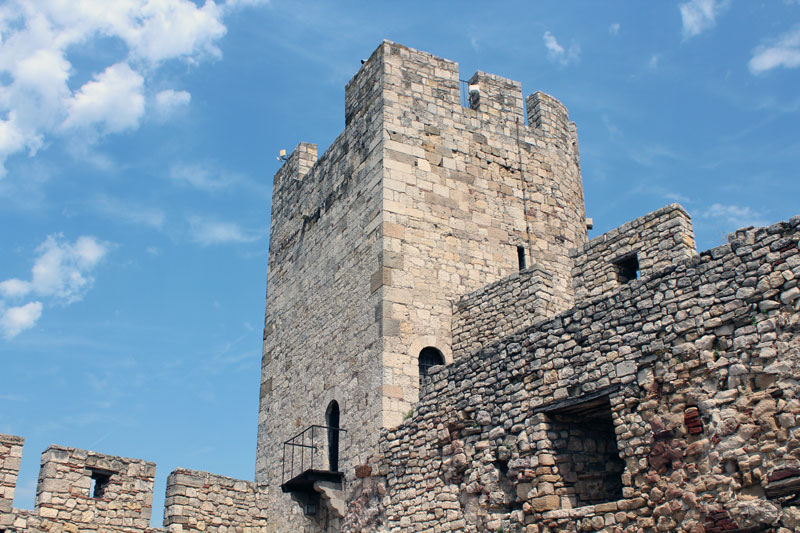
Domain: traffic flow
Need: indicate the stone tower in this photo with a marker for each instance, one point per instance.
(419, 201)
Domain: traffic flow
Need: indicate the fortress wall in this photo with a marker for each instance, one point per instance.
(66, 489)
(658, 240)
(497, 310)
(464, 187)
(692, 368)
(322, 332)
(67, 503)
(199, 501)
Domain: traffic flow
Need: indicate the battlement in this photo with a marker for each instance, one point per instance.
(99, 492)
(640, 247)
(396, 78)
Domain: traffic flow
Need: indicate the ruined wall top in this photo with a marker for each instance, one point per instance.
(670, 404)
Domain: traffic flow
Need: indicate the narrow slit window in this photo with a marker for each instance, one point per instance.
(521, 257)
(100, 480)
(627, 268)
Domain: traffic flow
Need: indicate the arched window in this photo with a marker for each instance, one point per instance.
(428, 357)
(332, 421)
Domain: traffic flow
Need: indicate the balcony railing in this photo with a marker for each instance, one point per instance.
(313, 454)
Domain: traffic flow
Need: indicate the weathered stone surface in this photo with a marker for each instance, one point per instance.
(707, 441)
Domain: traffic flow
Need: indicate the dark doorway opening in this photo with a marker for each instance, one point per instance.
(332, 421)
(428, 357)
(587, 455)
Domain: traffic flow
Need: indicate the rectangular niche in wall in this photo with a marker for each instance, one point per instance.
(585, 446)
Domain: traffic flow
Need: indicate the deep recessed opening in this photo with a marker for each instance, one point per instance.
(586, 451)
(332, 421)
(100, 480)
(627, 268)
(428, 357)
(521, 257)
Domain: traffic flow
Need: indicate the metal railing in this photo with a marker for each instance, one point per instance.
(302, 452)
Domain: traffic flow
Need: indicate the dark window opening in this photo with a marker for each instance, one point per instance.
(332, 421)
(521, 257)
(428, 357)
(627, 268)
(100, 480)
(586, 449)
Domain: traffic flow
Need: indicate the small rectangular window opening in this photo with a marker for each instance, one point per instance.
(521, 257)
(627, 268)
(100, 480)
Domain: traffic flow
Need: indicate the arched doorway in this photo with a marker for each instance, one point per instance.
(332, 421)
(428, 357)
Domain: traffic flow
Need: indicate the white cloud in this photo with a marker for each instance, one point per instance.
(168, 101)
(473, 41)
(700, 15)
(783, 52)
(198, 176)
(113, 99)
(210, 177)
(652, 63)
(614, 28)
(206, 231)
(241, 3)
(127, 212)
(735, 216)
(15, 320)
(62, 272)
(37, 37)
(558, 53)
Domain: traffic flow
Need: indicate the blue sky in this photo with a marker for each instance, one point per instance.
(138, 142)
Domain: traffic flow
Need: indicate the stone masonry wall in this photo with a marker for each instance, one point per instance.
(658, 239)
(199, 501)
(65, 503)
(503, 307)
(10, 457)
(322, 332)
(463, 188)
(695, 366)
(64, 493)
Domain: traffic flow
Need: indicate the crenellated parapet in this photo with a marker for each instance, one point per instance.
(497, 96)
(640, 247)
(82, 490)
